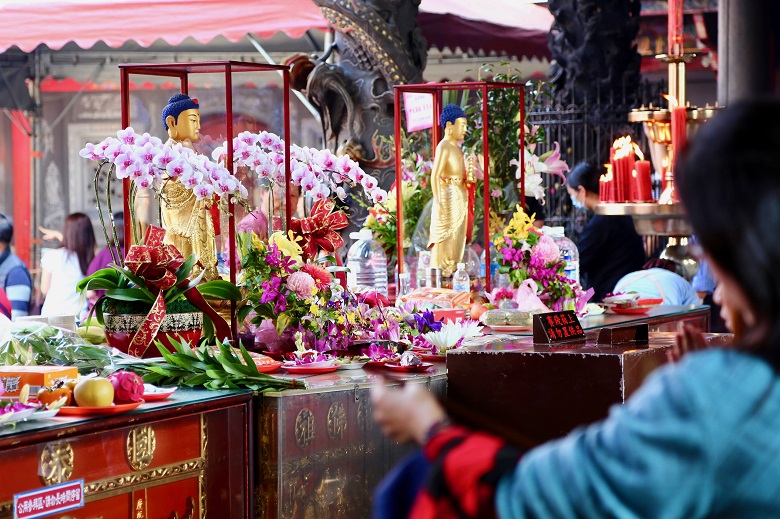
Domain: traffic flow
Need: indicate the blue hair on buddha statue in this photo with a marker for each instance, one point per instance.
(176, 105)
(450, 114)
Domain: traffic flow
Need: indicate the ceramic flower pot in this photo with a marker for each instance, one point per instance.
(121, 328)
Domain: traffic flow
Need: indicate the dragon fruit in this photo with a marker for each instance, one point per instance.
(128, 387)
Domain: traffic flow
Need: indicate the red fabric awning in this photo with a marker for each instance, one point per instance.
(29, 23)
(512, 26)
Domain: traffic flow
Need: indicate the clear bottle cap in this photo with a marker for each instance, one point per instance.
(403, 275)
(362, 234)
(461, 266)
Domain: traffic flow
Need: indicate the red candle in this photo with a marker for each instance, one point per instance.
(629, 172)
(675, 26)
(643, 184)
(679, 132)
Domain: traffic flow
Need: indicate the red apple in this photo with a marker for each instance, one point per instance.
(477, 309)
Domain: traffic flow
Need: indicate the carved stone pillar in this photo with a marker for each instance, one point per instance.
(593, 45)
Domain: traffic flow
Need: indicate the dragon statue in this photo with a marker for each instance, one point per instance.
(379, 44)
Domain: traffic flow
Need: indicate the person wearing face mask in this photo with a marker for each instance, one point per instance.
(609, 246)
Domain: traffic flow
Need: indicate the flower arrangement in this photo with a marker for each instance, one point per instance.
(289, 296)
(318, 172)
(533, 165)
(149, 164)
(524, 253)
(154, 280)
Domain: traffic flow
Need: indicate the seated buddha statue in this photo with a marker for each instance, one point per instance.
(188, 221)
(450, 184)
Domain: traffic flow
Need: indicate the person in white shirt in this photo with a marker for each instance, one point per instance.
(64, 267)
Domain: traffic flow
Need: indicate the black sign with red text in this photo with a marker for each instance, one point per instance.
(554, 327)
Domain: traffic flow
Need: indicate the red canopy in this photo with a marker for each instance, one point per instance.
(30, 23)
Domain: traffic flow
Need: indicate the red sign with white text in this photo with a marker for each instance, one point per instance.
(418, 109)
(49, 500)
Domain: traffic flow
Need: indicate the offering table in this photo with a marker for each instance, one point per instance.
(532, 393)
(319, 452)
(187, 456)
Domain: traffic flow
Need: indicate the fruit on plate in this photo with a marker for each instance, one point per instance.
(49, 395)
(72, 383)
(94, 392)
(477, 309)
(128, 387)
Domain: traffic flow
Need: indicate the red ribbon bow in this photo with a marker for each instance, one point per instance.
(157, 263)
(319, 230)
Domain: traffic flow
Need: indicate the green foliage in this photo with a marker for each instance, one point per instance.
(213, 368)
(127, 292)
(382, 218)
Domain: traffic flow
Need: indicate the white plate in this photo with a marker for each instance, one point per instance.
(350, 366)
(10, 418)
(42, 415)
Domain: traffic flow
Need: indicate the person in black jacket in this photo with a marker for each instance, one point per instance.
(609, 246)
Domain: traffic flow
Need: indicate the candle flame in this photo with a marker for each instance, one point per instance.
(607, 177)
(624, 147)
(673, 103)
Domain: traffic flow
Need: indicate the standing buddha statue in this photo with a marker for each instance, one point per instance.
(450, 183)
(188, 221)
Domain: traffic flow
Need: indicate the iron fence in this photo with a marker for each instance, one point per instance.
(585, 132)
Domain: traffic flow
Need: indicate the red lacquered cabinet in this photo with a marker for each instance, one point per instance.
(185, 457)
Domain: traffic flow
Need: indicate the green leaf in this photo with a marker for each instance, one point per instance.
(220, 289)
(185, 269)
(130, 294)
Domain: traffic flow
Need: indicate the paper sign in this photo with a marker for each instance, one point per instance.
(49, 500)
(553, 327)
(419, 111)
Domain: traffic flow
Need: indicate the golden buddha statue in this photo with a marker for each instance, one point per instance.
(450, 183)
(187, 220)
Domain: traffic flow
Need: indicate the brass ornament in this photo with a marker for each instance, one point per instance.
(56, 464)
(337, 421)
(141, 444)
(304, 428)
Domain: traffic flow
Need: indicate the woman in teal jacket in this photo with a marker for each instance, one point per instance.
(700, 438)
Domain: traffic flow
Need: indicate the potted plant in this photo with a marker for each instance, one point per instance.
(153, 297)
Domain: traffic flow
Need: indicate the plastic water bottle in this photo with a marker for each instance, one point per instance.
(367, 263)
(569, 253)
(404, 284)
(461, 280)
(493, 266)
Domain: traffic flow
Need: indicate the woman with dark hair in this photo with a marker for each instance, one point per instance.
(609, 246)
(65, 266)
(699, 438)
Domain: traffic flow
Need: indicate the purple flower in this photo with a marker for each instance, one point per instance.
(426, 322)
(496, 193)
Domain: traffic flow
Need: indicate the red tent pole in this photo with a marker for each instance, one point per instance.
(20, 141)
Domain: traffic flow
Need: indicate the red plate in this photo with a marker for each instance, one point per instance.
(308, 370)
(433, 357)
(73, 410)
(417, 368)
(161, 394)
(268, 367)
(381, 364)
